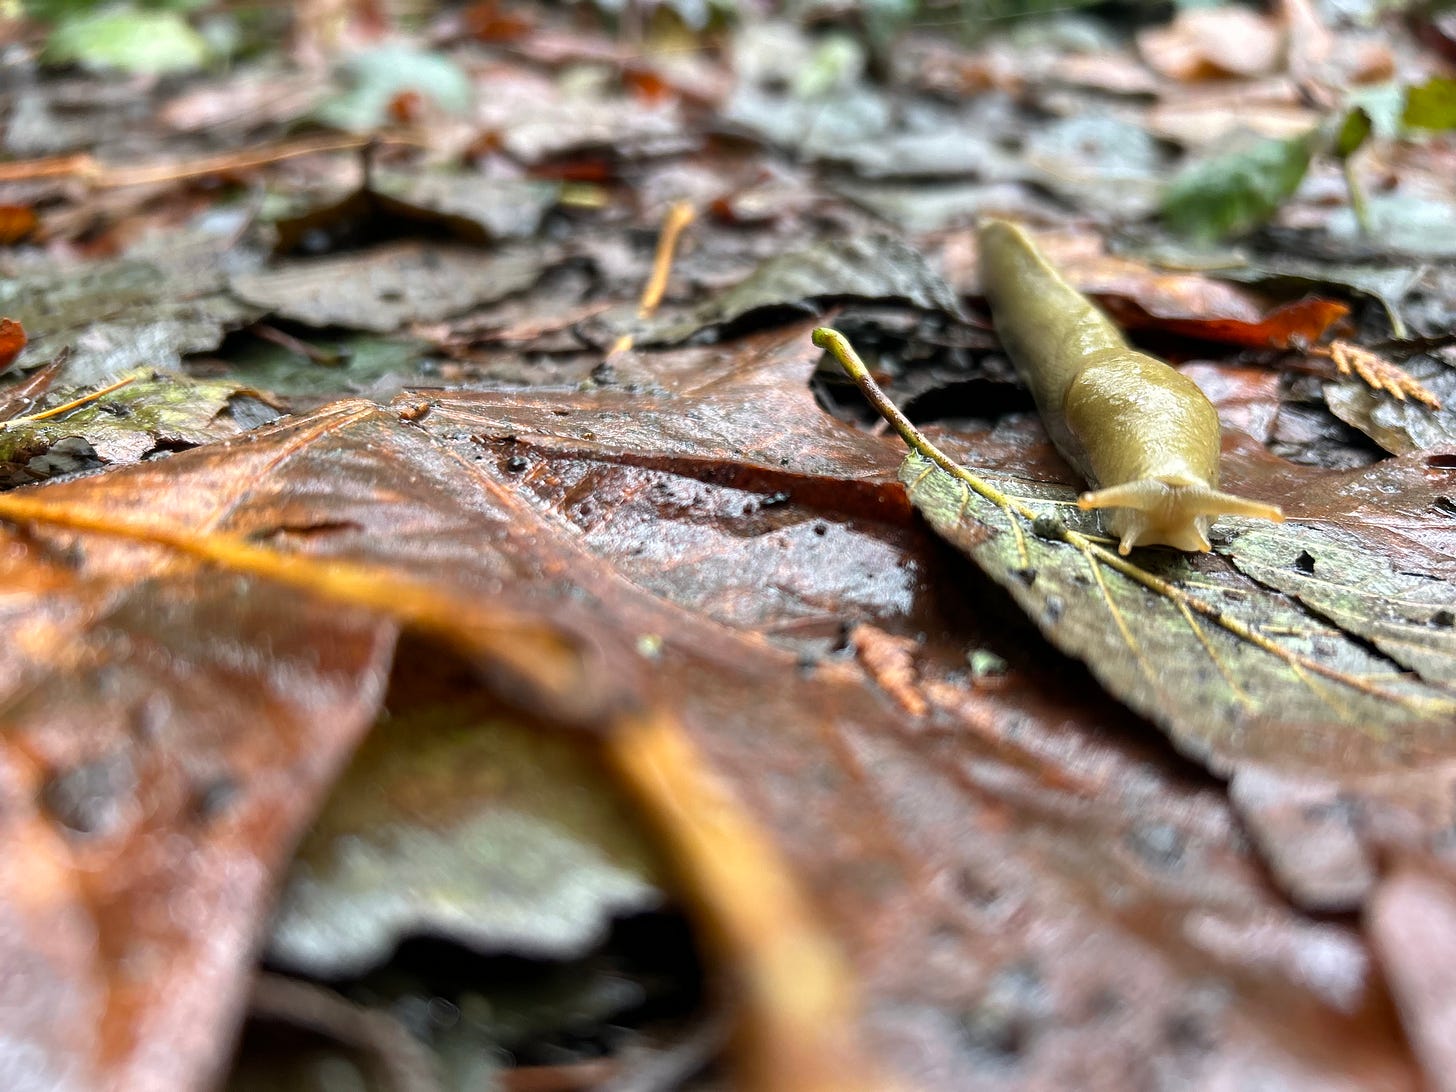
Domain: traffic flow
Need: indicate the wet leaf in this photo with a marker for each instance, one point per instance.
(99, 909)
(458, 823)
(477, 208)
(155, 412)
(129, 312)
(1236, 191)
(17, 222)
(869, 267)
(974, 859)
(1291, 325)
(128, 40)
(384, 289)
(1401, 427)
(12, 341)
(1219, 674)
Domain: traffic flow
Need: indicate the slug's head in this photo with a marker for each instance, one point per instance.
(1152, 511)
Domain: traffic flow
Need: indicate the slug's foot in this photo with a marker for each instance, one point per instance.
(1151, 512)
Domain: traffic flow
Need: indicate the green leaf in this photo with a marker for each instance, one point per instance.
(1235, 192)
(1354, 131)
(1431, 105)
(125, 40)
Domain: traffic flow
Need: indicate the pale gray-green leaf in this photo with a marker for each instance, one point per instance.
(495, 835)
(1219, 695)
(1401, 427)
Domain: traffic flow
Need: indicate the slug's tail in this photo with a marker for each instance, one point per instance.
(1149, 512)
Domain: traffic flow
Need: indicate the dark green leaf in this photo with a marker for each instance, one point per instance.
(1235, 192)
(1354, 131)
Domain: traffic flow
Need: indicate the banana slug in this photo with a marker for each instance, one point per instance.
(1143, 434)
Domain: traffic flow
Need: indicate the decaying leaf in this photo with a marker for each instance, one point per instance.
(390, 286)
(1184, 640)
(1239, 676)
(143, 311)
(869, 267)
(1401, 426)
(153, 412)
(957, 840)
(456, 822)
(12, 341)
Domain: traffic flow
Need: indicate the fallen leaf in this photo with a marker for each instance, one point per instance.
(155, 412)
(383, 289)
(17, 222)
(12, 342)
(1339, 691)
(126, 313)
(457, 822)
(949, 854)
(1290, 325)
(1401, 427)
(477, 209)
(1210, 43)
(1141, 296)
(1234, 192)
(871, 267)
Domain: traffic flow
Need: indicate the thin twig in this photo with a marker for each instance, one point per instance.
(66, 407)
(678, 217)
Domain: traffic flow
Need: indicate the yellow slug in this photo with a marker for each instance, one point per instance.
(1140, 432)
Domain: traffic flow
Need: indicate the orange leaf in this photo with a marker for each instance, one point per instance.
(12, 340)
(1302, 322)
(16, 222)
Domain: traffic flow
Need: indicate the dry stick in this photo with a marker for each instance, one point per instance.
(678, 217)
(843, 352)
(66, 407)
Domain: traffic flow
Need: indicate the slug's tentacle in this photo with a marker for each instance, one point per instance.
(1141, 431)
(1174, 514)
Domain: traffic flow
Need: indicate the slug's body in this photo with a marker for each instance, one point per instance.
(1139, 431)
